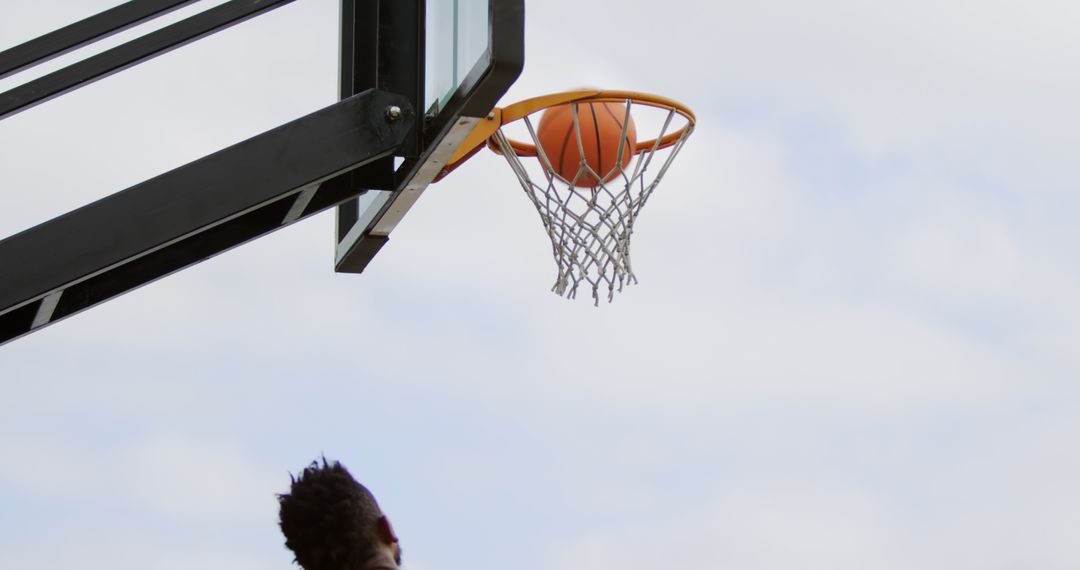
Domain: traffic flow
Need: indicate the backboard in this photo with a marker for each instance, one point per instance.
(454, 59)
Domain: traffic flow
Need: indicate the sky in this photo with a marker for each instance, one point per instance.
(852, 344)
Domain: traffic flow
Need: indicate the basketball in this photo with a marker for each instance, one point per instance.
(601, 128)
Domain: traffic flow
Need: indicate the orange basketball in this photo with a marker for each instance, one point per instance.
(601, 128)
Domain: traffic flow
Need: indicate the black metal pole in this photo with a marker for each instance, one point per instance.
(198, 210)
(131, 53)
(83, 32)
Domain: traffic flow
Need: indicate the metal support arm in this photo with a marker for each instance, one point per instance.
(133, 52)
(85, 31)
(194, 212)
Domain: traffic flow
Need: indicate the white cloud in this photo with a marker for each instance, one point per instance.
(852, 344)
(94, 547)
(171, 478)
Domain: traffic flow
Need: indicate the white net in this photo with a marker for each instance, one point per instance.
(590, 224)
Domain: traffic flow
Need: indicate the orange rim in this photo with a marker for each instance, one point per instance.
(527, 107)
(481, 134)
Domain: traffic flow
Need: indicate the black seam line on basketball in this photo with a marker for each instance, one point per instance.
(626, 135)
(628, 151)
(599, 149)
(566, 139)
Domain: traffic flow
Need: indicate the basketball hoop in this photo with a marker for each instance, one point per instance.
(592, 175)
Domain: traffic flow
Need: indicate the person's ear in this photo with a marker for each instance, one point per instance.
(385, 530)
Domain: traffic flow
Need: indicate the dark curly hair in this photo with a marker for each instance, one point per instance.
(328, 519)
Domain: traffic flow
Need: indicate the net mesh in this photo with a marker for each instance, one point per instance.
(590, 226)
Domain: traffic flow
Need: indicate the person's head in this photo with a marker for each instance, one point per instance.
(331, 522)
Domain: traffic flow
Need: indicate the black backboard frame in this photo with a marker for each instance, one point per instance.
(394, 61)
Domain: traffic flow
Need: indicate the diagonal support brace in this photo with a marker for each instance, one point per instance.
(172, 221)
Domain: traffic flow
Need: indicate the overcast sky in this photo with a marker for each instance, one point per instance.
(852, 345)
